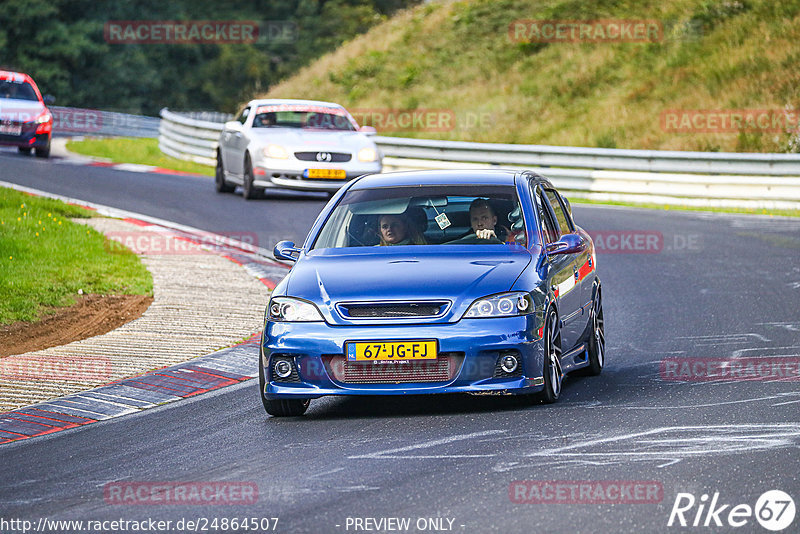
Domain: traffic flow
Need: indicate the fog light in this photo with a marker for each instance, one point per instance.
(509, 363)
(283, 368)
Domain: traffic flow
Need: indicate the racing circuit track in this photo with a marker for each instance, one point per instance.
(716, 286)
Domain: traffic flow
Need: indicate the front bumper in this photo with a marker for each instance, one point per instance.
(477, 342)
(289, 174)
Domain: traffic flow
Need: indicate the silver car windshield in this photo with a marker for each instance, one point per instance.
(303, 119)
(427, 215)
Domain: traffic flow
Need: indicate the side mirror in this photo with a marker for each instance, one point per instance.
(368, 130)
(234, 126)
(285, 250)
(568, 244)
(49, 100)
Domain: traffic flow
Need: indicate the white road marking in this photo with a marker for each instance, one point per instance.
(393, 453)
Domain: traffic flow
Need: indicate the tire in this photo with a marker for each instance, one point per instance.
(43, 152)
(24, 149)
(249, 192)
(597, 339)
(219, 178)
(551, 370)
(279, 407)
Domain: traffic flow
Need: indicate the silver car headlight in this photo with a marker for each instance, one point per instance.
(502, 305)
(292, 310)
(367, 154)
(275, 152)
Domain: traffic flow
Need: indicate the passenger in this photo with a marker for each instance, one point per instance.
(396, 230)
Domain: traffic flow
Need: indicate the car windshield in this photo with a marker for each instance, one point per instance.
(425, 215)
(17, 90)
(317, 119)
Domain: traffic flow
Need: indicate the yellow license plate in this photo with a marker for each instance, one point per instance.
(392, 350)
(338, 174)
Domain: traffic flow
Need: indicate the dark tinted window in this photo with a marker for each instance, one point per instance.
(561, 217)
(548, 227)
(18, 90)
(243, 115)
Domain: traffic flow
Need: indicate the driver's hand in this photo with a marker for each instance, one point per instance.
(485, 234)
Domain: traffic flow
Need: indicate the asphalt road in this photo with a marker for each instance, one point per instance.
(716, 286)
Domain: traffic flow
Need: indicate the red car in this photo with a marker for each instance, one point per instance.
(25, 121)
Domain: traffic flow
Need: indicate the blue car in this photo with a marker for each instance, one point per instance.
(434, 282)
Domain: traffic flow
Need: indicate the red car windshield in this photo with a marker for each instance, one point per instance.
(17, 90)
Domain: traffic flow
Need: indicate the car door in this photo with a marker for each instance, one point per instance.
(234, 144)
(566, 276)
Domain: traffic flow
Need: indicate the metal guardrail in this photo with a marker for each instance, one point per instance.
(695, 178)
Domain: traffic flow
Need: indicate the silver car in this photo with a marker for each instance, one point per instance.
(296, 144)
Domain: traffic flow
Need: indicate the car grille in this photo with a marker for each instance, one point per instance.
(442, 369)
(393, 309)
(336, 157)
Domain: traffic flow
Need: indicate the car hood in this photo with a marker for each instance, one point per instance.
(458, 274)
(299, 139)
(20, 110)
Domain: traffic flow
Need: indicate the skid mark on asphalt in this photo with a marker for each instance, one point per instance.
(659, 407)
(665, 445)
(394, 454)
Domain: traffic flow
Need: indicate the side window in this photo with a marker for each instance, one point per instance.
(558, 208)
(549, 230)
(243, 115)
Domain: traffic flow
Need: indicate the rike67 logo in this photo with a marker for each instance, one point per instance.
(774, 510)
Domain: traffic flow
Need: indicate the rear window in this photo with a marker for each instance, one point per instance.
(17, 90)
(427, 215)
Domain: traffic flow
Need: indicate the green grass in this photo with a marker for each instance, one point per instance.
(135, 150)
(45, 258)
(458, 56)
(667, 207)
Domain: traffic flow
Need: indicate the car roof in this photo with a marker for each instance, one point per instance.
(17, 76)
(438, 177)
(291, 102)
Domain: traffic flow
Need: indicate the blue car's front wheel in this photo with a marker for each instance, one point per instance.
(552, 359)
(279, 407)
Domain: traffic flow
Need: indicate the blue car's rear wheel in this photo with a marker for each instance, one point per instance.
(552, 359)
(597, 339)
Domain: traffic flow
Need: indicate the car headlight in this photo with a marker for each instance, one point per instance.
(367, 154)
(276, 152)
(292, 310)
(503, 305)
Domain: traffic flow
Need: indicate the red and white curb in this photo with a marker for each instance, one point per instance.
(199, 375)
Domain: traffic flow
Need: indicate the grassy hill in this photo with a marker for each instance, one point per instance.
(458, 57)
